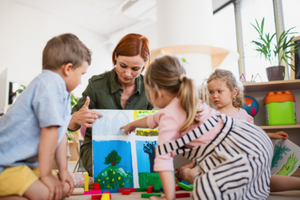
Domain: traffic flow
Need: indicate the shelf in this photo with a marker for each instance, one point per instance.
(218, 55)
(272, 86)
(280, 127)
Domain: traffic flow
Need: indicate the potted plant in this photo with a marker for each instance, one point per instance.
(275, 52)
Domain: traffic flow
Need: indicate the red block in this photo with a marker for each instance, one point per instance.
(96, 186)
(126, 192)
(177, 188)
(150, 189)
(122, 189)
(96, 196)
(106, 192)
(181, 195)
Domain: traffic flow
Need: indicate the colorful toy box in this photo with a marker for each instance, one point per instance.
(280, 108)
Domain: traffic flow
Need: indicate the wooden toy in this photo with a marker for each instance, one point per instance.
(92, 192)
(105, 196)
(131, 189)
(96, 186)
(126, 192)
(147, 195)
(140, 189)
(96, 196)
(150, 189)
(186, 187)
(182, 195)
(86, 181)
(177, 188)
(182, 181)
(111, 190)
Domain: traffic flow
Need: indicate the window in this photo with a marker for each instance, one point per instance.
(251, 10)
(224, 34)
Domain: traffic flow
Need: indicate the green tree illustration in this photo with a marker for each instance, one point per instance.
(112, 158)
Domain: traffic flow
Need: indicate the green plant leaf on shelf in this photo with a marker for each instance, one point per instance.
(278, 51)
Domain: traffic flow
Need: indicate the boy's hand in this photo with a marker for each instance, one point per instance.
(279, 135)
(54, 186)
(128, 128)
(64, 176)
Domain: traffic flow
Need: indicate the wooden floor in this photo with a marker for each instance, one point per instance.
(291, 195)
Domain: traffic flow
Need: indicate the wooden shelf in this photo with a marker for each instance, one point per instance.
(280, 127)
(272, 86)
(218, 54)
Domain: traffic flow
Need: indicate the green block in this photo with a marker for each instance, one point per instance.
(140, 189)
(147, 195)
(186, 187)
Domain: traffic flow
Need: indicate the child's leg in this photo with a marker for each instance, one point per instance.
(188, 174)
(283, 183)
(13, 198)
(168, 182)
(38, 190)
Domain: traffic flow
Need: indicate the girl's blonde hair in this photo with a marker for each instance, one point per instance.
(168, 73)
(231, 82)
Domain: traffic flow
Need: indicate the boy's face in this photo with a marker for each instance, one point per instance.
(74, 78)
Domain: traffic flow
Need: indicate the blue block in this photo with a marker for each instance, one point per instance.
(111, 190)
(182, 181)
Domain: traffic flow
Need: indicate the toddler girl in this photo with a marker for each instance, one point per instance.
(230, 164)
(228, 98)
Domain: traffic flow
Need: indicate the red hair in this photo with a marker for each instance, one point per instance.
(132, 45)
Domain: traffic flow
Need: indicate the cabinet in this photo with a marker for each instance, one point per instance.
(260, 90)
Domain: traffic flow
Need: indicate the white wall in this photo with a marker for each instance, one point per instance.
(25, 32)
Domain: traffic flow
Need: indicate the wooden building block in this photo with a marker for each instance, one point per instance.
(105, 196)
(147, 195)
(126, 192)
(96, 186)
(150, 189)
(186, 187)
(182, 195)
(86, 181)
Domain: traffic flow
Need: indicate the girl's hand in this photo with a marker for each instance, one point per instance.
(128, 128)
(54, 186)
(279, 135)
(64, 176)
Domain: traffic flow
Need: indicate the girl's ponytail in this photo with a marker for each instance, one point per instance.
(188, 97)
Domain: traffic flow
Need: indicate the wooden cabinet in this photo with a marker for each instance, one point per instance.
(260, 90)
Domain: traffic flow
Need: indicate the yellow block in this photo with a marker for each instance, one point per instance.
(86, 181)
(105, 196)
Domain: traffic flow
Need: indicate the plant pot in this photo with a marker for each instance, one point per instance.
(275, 73)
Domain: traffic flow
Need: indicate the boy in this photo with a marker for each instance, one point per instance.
(33, 129)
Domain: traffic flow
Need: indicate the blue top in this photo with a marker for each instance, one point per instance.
(45, 102)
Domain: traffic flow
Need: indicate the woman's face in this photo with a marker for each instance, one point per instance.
(129, 67)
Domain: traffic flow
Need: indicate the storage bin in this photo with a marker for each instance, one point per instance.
(280, 108)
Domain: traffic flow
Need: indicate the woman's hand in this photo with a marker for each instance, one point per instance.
(129, 128)
(84, 116)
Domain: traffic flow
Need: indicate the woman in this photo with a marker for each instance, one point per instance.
(120, 88)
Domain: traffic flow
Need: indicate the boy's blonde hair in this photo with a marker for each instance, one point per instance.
(64, 49)
(165, 73)
(231, 82)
